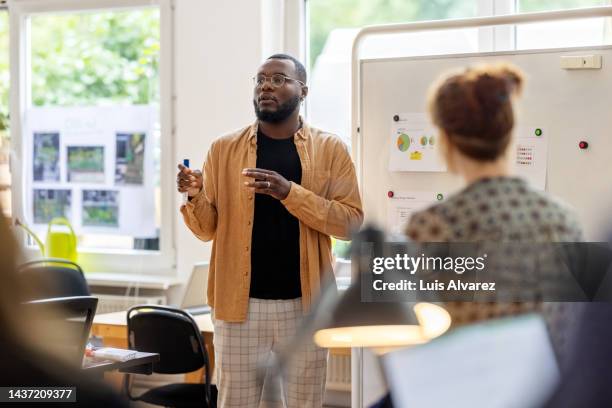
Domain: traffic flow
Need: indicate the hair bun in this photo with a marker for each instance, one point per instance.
(495, 85)
(474, 108)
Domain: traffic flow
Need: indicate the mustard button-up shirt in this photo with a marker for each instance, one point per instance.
(326, 203)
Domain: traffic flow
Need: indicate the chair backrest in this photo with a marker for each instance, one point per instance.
(170, 332)
(63, 325)
(52, 278)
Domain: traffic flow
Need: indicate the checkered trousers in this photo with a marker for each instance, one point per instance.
(240, 348)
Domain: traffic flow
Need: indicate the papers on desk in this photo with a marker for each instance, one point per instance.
(112, 354)
(502, 363)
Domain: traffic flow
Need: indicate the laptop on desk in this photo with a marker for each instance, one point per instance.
(194, 300)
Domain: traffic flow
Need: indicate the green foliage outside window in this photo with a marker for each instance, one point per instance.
(95, 58)
(4, 73)
(326, 15)
(88, 59)
(526, 6)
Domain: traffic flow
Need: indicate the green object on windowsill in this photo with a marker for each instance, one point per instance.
(60, 244)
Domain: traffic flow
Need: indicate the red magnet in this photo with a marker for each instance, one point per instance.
(583, 145)
(390, 194)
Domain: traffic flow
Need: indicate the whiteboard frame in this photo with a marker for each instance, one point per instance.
(527, 18)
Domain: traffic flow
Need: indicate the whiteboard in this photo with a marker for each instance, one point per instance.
(571, 105)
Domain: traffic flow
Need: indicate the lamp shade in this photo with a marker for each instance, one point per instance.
(380, 324)
(349, 322)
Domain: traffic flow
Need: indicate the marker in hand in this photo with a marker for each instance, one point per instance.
(188, 182)
(185, 194)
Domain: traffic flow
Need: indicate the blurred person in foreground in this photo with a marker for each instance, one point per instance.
(586, 382)
(23, 362)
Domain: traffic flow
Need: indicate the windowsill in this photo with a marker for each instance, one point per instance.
(105, 251)
(131, 280)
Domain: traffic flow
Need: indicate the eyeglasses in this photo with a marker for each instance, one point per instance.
(276, 80)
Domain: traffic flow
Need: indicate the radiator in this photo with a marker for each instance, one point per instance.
(118, 303)
(339, 372)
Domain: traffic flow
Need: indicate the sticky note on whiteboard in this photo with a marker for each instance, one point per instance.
(531, 154)
(413, 144)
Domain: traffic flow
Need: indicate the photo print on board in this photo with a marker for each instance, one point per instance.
(85, 164)
(51, 203)
(129, 158)
(45, 157)
(100, 208)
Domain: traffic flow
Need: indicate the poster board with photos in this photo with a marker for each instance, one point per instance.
(93, 166)
(558, 109)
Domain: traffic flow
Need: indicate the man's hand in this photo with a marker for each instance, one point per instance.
(267, 182)
(189, 181)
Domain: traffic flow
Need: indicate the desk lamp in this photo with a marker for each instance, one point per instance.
(353, 323)
(338, 321)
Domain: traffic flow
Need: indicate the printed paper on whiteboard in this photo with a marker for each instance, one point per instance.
(402, 205)
(92, 165)
(414, 144)
(531, 155)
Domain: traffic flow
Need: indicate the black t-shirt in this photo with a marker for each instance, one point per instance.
(275, 253)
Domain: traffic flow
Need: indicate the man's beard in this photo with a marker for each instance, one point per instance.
(283, 112)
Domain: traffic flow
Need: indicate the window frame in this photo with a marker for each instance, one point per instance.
(163, 261)
(298, 25)
(6, 188)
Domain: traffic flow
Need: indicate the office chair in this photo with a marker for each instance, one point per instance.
(64, 324)
(52, 278)
(176, 337)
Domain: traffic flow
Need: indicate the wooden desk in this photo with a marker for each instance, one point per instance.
(112, 327)
(141, 364)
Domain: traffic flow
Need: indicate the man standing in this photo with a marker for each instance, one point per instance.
(270, 196)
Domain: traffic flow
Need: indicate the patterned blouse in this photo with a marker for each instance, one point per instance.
(502, 209)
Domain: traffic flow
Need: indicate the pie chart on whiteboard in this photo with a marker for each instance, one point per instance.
(403, 142)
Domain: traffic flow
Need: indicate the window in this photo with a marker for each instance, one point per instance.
(329, 16)
(88, 61)
(5, 175)
(573, 33)
(95, 109)
(332, 27)
(527, 6)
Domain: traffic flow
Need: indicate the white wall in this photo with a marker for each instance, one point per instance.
(218, 47)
